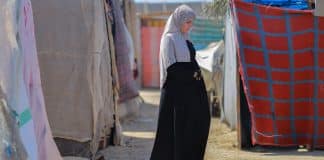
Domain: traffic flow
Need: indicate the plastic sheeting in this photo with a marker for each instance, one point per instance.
(11, 147)
(229, 113)
(292, 4)
(206, 31)
(76, 69)
(19, 79)
(211, 61)
(11, 75)
(46, 147)
(211, 58)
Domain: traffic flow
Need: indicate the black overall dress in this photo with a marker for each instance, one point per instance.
(184, 116)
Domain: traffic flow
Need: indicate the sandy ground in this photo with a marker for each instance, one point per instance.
(222, 145)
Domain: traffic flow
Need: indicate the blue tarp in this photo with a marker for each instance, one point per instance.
(206, 31)
(292, 4)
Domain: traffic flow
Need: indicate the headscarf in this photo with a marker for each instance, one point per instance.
(173, 46)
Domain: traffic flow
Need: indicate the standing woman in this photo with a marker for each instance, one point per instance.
(184, 118)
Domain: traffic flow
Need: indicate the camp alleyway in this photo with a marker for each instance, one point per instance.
(222, 144)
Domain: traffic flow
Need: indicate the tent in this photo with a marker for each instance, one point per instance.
(21, 88)
(231, 77)
(282, 73)
(211, 62)
(79, 75)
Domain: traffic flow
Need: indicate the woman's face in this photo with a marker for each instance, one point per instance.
(186, 26)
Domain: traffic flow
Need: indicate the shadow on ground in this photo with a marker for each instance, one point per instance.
(138, 132)
(139, 136)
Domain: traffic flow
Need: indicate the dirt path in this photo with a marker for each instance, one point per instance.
(222, 145)
(139, 133)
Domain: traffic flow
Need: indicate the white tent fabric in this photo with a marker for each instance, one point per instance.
(211, 57)
(211, 63)
(20, 79)
(229, 113)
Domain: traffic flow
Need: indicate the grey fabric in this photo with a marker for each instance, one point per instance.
(173, 46)
(319, 8)
(76, 68)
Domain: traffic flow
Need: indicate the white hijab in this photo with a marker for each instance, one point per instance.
(173, 46)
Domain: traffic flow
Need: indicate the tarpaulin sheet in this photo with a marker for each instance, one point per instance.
(206, 31)
(231, 100)
(210, 60)
(76, 69)
(124, 49)
(211, 57)
(9, 135)
(282, 62)
(11, 75)
(293, 4)
(20, 79)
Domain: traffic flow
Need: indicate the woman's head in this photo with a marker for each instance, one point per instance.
(186, 26)
(181, 20)
(183, 16)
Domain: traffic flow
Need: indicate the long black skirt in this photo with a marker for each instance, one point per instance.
(184, 118)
